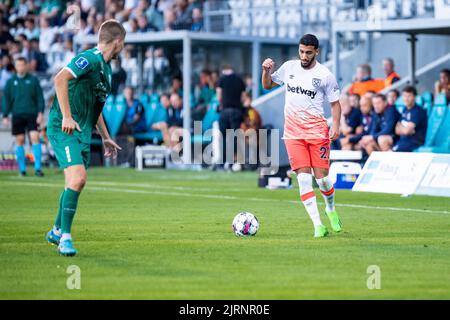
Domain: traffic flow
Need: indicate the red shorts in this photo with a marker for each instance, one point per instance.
(308, 153)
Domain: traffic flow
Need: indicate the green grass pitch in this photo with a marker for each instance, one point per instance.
(167, 235)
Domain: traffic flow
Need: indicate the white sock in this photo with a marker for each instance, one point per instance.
(66, 236)
(57, 231)
(308, 197)
(327, 190)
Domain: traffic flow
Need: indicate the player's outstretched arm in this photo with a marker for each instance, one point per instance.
(111, 147)
(267, 68)
(336, 114)
(62, 93)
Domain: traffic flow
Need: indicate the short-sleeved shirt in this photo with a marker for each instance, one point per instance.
(306, 91)
(232, 87)
(87, 93)
(418, 116)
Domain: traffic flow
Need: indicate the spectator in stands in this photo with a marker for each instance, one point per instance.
(412, 127)
(15, 50)
(119, 76)
(177, 86)
(135, 116)
(129, 64)
(382, 129)
(350, 121)
(52, 10)
(5, 38)
(205, 90)
(370, 94)
(443, 84)
(172, 129)
(38, 57)
(392, 97)
(169, 19)
(6, 70)
(183, 15)
(391, 75)
(175, 120)
(55, 54)
(204, 94)
(31, 31)
(47, 35)
(144, 25)
(156, 68)
(366, 120)
(248, 80)
(364, 81)
(134, 122)
(139, 10)
(155, 17)
(251, 124)
(197, 20)
(229, 93)
(215, 78)
(354, 100)
(164, 99)
(251, 118)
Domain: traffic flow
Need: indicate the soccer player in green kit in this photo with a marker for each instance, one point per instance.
(81, 90)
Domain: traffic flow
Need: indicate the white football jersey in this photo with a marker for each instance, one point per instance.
(306, 91)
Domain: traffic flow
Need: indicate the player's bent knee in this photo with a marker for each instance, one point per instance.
(303, 170)
(320, 173)
(78, 183)
(76, 177)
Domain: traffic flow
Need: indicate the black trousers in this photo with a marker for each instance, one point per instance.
(230, 118)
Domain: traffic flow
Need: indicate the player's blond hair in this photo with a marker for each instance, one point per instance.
(111, 30)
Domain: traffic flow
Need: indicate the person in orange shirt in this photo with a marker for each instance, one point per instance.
(391, 75)
(364, 81)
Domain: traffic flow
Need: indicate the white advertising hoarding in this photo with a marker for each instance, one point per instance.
(436, 181)
(393, 172)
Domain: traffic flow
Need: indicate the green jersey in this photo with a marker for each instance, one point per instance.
(87, 93)
(23, 96)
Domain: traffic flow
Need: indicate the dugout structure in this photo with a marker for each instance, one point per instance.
(185, 41)
(411, 27)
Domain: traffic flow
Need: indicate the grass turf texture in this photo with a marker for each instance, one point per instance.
(167, 235)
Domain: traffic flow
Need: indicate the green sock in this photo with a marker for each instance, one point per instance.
(70, 202)
(58, 216)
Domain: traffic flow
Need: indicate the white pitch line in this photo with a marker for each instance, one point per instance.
(157, 186)
(220, 197)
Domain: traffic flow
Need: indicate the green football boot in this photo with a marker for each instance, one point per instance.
(320, 231)
(336, 224)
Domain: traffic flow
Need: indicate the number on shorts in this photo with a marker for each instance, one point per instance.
(324, 151)
(68, 154)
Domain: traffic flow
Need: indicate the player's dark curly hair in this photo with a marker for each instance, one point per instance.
(309, 40)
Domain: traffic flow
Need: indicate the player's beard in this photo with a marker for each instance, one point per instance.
(307, 65)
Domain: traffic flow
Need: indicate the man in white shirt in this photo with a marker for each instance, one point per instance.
(306, 134)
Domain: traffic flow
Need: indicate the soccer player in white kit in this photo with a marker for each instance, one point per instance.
(306, 134)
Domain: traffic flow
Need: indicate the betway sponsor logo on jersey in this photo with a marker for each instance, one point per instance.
(300, 90)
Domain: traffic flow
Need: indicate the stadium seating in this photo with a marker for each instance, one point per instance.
(154, 113)
(207, 123)
(438, 131)
(427, 98)
(440, 100)
(114, 113)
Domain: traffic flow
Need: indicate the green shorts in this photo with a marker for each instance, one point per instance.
(70, 150)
